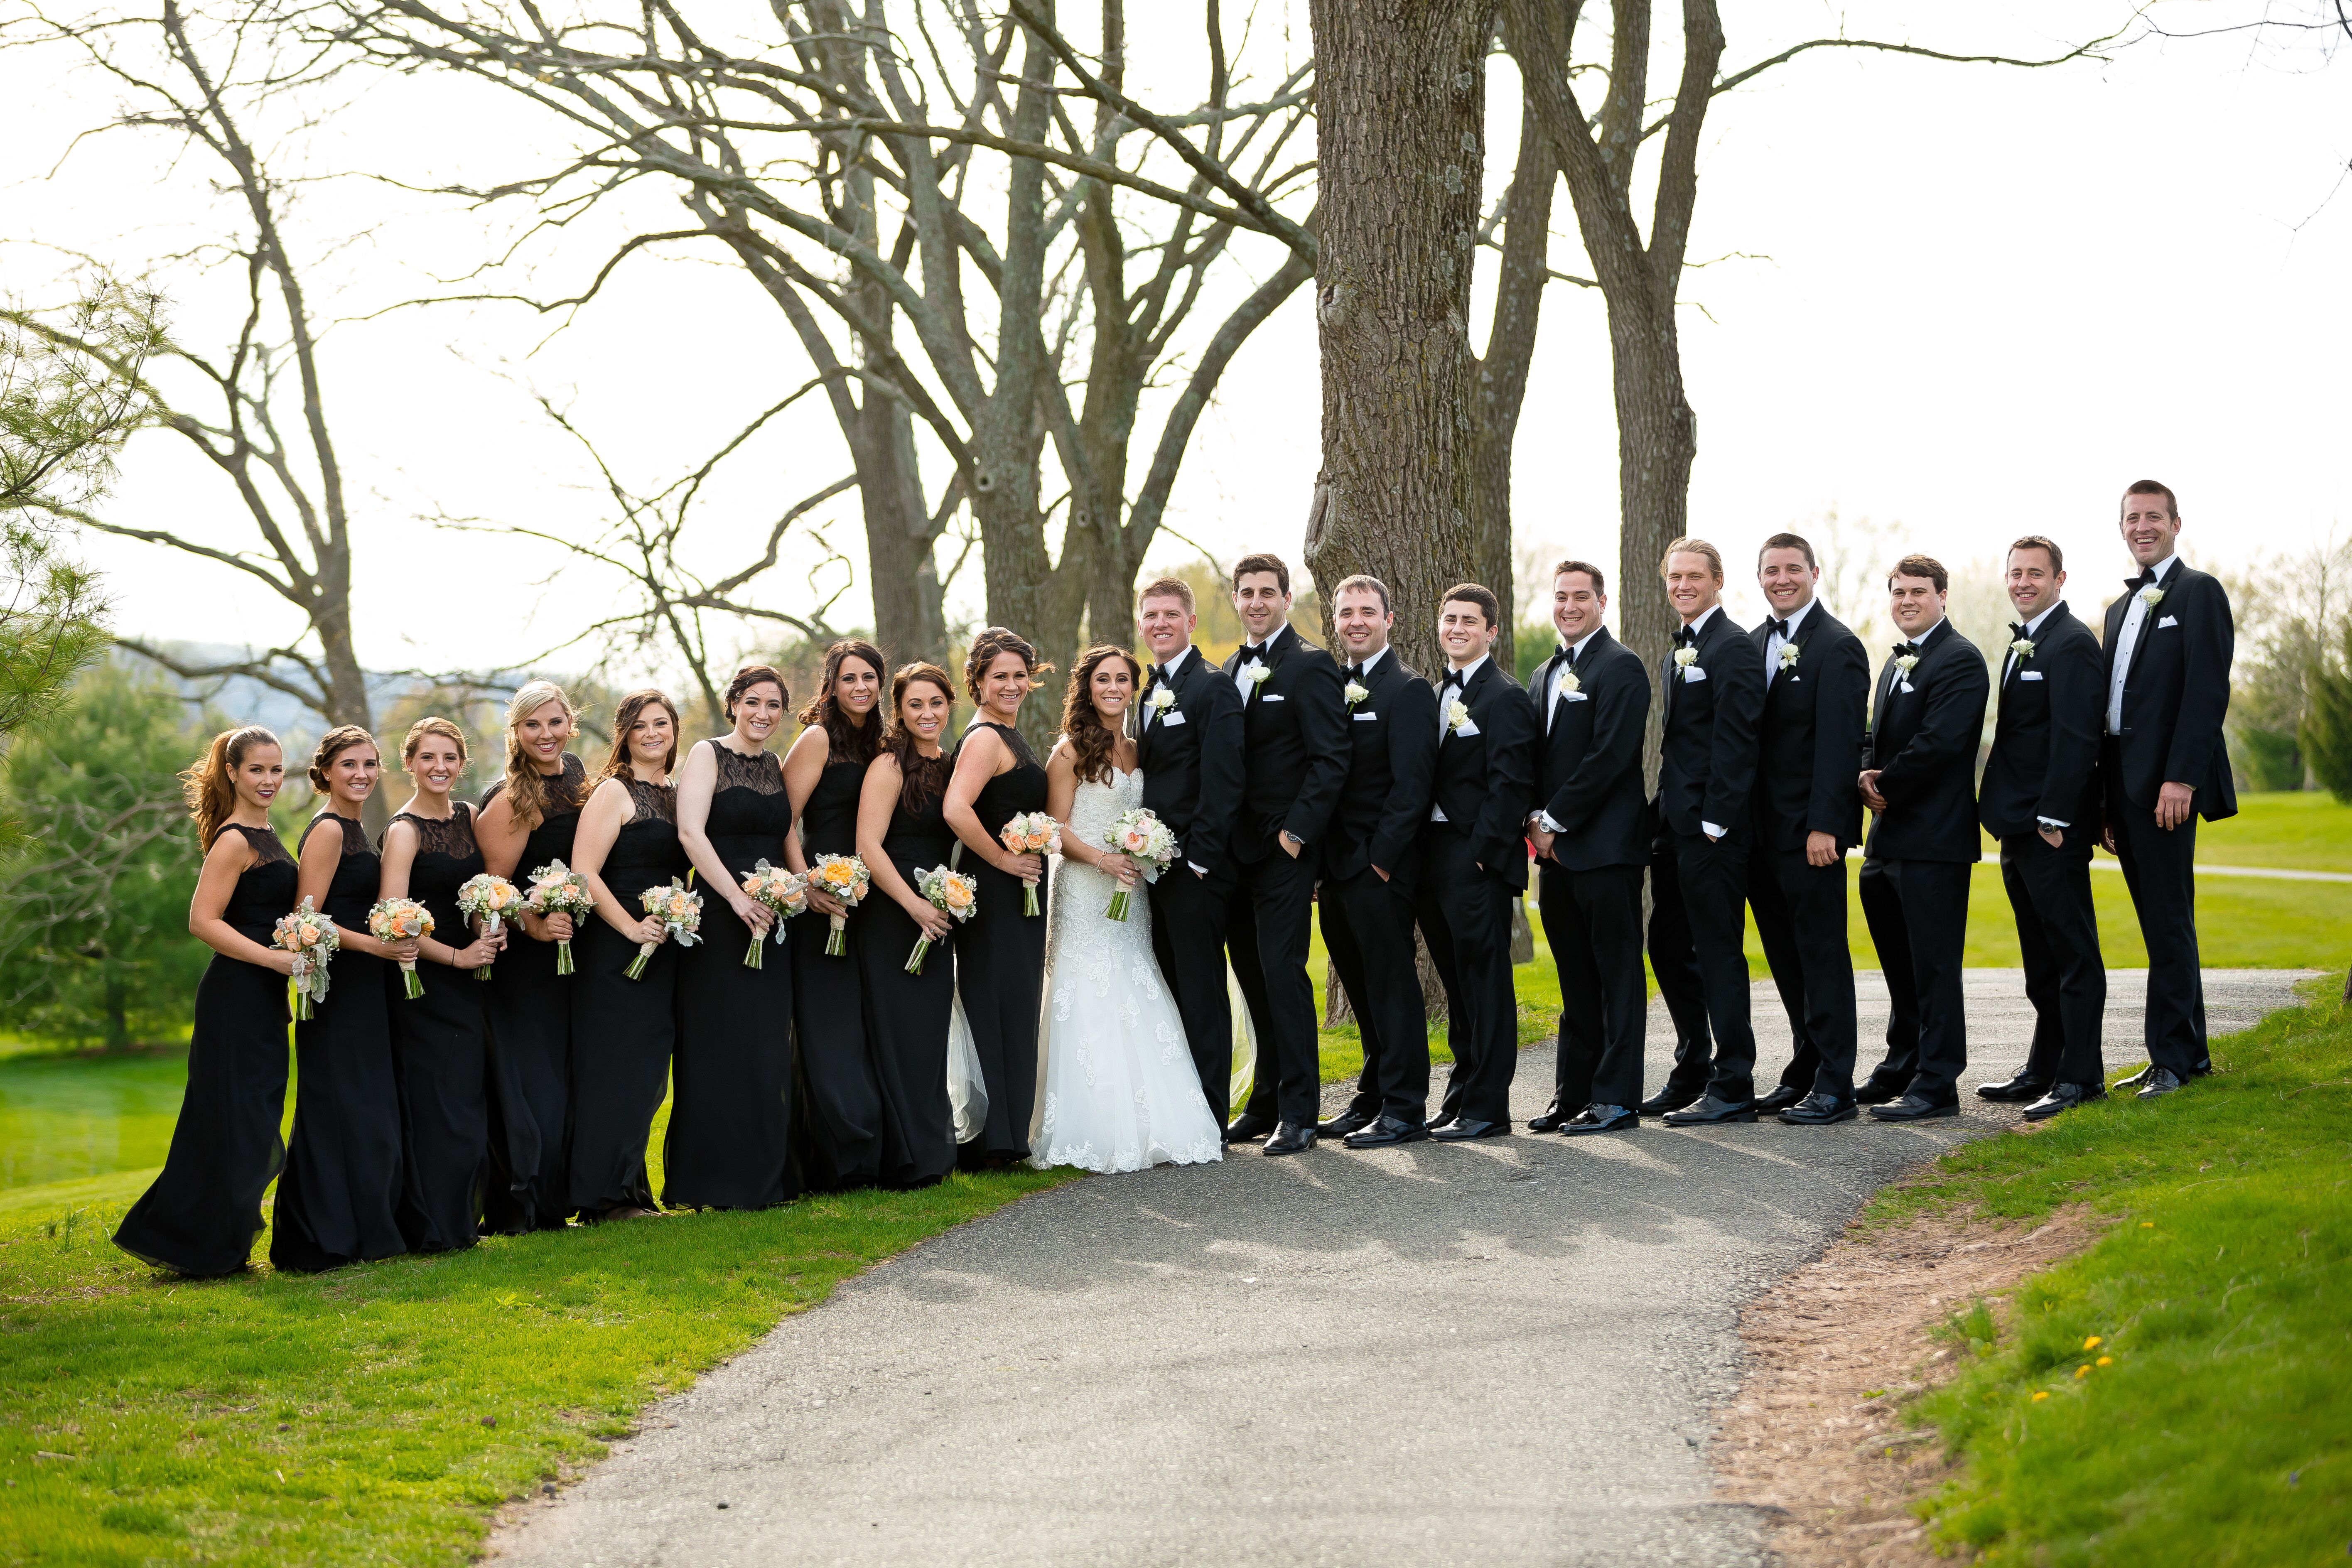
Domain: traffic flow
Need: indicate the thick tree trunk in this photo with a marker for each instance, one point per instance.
(347, 703)
(1401, 91)
(1657, 437)
(909, 619)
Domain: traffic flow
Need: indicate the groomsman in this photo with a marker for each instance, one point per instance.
(1592, 834)
(1190, 747)
(2039, 798)
(1474, 861)
(1714, 684)
(1920, 776)
(1371, 866)
(1807, 814)
(1294, 760)
(2169, 641)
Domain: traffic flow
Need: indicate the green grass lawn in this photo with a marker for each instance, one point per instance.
(2181, 1393)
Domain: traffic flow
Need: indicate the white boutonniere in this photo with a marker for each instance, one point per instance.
(1684, 657)
(1255, 673)
(1906, 664)
(1569, 683)
(1162, 700)
(1355, 693)
(1457, 713)
(2151, 595)
(2022, 647)
(1788, 652)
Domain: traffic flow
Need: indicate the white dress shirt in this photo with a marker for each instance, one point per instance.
(1373, 663)
(2127, 639)
(1697, 628)
(1551, 706)
(1150, 716)
(1774, 643)
(2032, 630)
(1462, 677)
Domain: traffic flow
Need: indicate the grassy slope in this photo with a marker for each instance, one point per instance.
(2219, 1428)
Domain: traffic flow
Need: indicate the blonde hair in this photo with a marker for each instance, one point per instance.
(1693, 547)
(210, 786)
(423, 727)
(526, 786)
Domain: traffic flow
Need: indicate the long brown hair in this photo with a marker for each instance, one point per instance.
(987, 645)
(211, 786)
(333, 744)
(616, 761)
(1091, 740)
(847, 741)
(526, 786)
(921, 778)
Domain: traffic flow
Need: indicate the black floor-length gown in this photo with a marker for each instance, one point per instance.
(730, 1115)
(624, 1030)
(440, 1049)
(529, 1010)
(203, 1211)
(839, 1140)
(1000, 963)
(339, 1199)
(907, 1014)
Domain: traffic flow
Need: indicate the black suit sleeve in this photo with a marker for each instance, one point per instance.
(1841, 714)
(2077, 679)
(1738, 673)
(1412, 721)
(1948, 733)
(1322, 718)
(1218, 709)
(2209, 640)
(1621, 711)
(1510, 776)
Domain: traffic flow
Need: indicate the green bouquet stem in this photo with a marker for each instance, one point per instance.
(412, 984)
(836, 944)
(563, 964)
(915, 959)
(637, 970)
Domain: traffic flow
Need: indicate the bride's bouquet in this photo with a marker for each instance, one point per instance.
(1142, 837)
(403, 919)
(489, 900)
(312, 939)
(556, 890)
(951, 891)
(781, 891)
(845, 877)
(679, 909)
(1031, 833)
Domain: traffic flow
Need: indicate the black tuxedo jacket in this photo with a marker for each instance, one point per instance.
(1191, 759)
(1486, 780)
(1391, 766)
(1707, 766)
(2045, 737)
(1925, 742)
(2176, 693)
(1589, 773)
(1294, 738)
(1815, 711)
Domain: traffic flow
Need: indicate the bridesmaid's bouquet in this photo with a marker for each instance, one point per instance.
(489, 900)
(845, 877)
(556, 890)
(1031, 833)
(679, 909)
(312, 939)
(952, 890)
(403, 919)
(778, 890)
(1142, 837)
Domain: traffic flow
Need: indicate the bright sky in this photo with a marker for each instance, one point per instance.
(1976, 302)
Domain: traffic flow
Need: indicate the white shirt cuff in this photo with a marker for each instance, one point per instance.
(2049, 822)
(1548, 825)
(1196, 866)
(1711, 830)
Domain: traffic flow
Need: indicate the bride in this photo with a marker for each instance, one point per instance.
(1120, 1091)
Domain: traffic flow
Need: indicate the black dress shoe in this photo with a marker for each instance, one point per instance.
(1711, 1112)
(1877, 1091)
(2014, 1090)
(2157, 1082)
(2065, 1097)
(1671, 1097)
(1388, 1130)
(1346, 1121)
(1290, 1137)
(1461, 1130)
(1818, 1109)
(1249, 1127)
(1912, 1108)
(1780, 1099)
(1601, 1118)
(1552, 1121)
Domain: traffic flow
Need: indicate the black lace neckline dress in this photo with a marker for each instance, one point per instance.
(1000, 963)
(530, 1016)
(839, 1137)
(907, 1014)
(440, 1050)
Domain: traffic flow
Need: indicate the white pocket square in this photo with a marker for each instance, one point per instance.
(2166, 621)
(1692, 672)
(2029, 675)
(1172, 717)
(1269, 697)
(1467, 728)
(1361, 716)
(1574, 697)
(1905, 686)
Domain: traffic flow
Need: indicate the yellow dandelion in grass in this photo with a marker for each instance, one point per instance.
(2039, 1395)
(2148, 1225)
(2092, 1344)
(2106, 1361)
(2082, 1372)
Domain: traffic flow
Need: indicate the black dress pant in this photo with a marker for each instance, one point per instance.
(2159, 867)
(1269, 930)
(1465, 917)
(1699, 931)
(1593, 922)
(1801, 915)
(1368, 930)
(2058, 933)
(1917, 911)
(1189, 912)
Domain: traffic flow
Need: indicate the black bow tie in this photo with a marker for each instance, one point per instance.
(1780, 629)
(1355, 672)
(1686, 635)
(1906, 649)
(2017, 628)
(1453, 678)
(2145, 579)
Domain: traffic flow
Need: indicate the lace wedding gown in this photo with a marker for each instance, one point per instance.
(1120, 1091)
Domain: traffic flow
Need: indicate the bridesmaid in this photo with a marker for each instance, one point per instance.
(200, 1217)
(440, 1041)
(623, 1030)
(902, 828)
(1000, 951)
(840, 1134)
(338, 1201)
(730, 1117)
(528, 819)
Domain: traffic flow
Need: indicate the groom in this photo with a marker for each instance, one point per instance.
(1189, 749)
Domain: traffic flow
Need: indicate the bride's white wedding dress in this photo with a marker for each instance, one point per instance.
(1120, 1091)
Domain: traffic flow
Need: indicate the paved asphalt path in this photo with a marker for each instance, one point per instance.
(1499, 1352)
